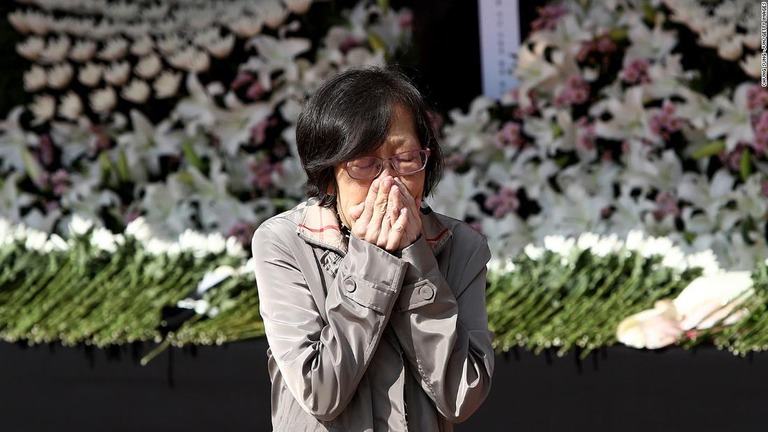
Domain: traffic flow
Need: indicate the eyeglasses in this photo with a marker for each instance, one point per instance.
(405, 163)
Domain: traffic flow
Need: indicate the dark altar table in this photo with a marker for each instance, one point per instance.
(226, 388)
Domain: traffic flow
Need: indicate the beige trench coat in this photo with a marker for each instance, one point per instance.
(363, 340)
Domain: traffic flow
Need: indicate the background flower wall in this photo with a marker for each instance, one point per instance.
(630, 115)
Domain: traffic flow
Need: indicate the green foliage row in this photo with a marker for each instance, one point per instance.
(89, 296)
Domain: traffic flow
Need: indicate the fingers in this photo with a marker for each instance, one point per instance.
(379, 211)
(355, 212)
(359, 227)
(399, 227)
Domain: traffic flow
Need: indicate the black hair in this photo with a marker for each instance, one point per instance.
(349, 115)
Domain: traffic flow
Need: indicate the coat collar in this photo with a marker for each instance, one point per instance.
(320, 225)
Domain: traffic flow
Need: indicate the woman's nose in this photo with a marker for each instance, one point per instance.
(387, 169)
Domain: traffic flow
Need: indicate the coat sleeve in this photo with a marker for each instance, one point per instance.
(322, 362)
(444, 335)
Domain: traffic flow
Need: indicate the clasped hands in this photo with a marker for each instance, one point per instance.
(389, 217)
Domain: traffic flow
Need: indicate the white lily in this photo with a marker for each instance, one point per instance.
(467, 131)
(14, 141)
(533, 71)
(146, 143)
(649, 44)
(454, 195)
(275, 55)
(629, 117)
(734, 121)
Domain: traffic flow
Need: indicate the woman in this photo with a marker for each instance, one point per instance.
(373, 305)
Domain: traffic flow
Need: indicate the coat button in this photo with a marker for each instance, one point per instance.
(350, 285)
(426, 292)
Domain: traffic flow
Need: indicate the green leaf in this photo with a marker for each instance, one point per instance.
(34, 170)
(192, 157)
(709, 149)
(123, 172)
(377, 44)
(745, 167)
(383, 5)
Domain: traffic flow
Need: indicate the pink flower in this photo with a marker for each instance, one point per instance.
(255, 91)
(757, 97)
(259, 131)
(243, 232)
(505, 201)
(548, 16)
(636, 72)
(405, 20)
(509, 135)
(665, 123)
(261, 173)
(667, 205)
(240, 80)
(585, 134)
(760, 126)
(575, 92)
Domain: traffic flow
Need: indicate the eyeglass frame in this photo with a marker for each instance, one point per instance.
(425, 151)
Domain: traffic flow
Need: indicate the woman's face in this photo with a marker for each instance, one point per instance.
(402, 137)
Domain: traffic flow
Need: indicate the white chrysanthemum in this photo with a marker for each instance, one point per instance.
(137, 91)
(103, 100)
(206, 36)
(115, 49)
(142, 46)
(71, 107)
(79, 27)
(79, 226)
(56, 243)
(35, 79)
(712, 36)
(272, 12)
(122, 10)
(220, 47)
(752, 65)
(298, 7)
(31, 22)
(35, 240)
(731, 48)
(83, 51)
(105, 240)
(139, 229)
(32, 48)
(117, 73)
(190, 59)
(43, 109)
(148, 66)
(245, 26)
(169, 44)
(155, 12)
(167, 84)
(90, 75)
(56, 50)
(60, 76)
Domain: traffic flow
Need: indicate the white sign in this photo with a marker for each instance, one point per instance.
(499, 44)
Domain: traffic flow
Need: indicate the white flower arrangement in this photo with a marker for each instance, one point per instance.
(619, 124)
